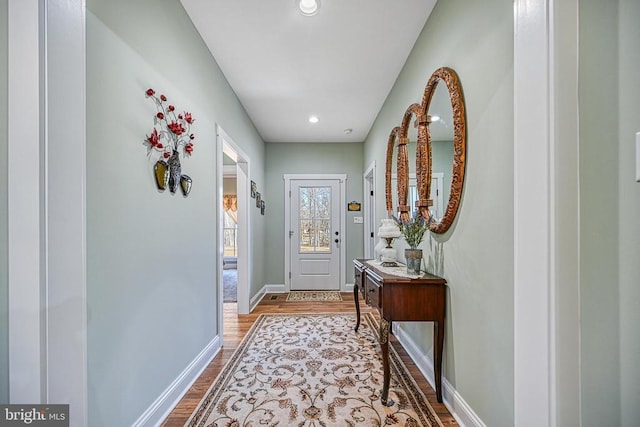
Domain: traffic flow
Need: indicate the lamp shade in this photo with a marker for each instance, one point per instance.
(389, 229)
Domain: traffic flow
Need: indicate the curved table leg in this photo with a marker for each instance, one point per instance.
(438, 338)
(357, 301)
(384, 345)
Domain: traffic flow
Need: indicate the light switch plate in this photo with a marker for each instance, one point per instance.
(638, 157)
(358, 220)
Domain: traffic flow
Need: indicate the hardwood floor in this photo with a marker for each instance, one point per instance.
(236, 326)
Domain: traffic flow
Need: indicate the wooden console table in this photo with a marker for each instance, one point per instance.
(402, 299)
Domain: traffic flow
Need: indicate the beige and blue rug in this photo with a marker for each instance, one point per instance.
(311, 370)
(308, 296)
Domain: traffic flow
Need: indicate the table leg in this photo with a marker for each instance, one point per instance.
(438, 344)
(356, 298)
(384, 345)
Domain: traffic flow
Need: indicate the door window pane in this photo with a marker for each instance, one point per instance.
(315, 219)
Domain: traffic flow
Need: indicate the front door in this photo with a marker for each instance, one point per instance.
(314, 234)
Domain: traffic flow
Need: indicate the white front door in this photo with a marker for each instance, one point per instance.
(315, 237)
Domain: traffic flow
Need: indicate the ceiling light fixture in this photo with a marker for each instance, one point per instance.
(435, 118)
(313, 119)
(308, 7)
(348, 131)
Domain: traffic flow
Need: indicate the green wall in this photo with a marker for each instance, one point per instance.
(609, 206)
(151, 257)
(4, 295)
(476, 254)
(310, 159)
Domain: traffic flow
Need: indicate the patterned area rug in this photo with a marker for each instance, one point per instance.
(314, 296)
(311, 370)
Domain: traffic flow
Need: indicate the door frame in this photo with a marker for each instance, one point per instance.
(227, 146)
(369, 210)
(342, 178)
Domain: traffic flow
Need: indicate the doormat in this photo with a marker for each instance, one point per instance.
(304, 296)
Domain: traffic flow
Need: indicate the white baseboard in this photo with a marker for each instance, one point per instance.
(275, 289)
(266, 289)
(348, 287)
(164, 404)
(454, 402)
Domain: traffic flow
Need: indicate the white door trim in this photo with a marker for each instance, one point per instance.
(533, 267)
(343, 220)
(243, 165)
(369, 181)
(546, 213)
(47, 202)
(25, 237)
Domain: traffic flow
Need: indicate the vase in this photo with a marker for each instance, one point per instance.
(377, 251)
(413, 258)
(185, 184)
(161, 173)
(175, 170)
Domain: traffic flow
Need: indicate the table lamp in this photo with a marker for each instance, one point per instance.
(389, 230)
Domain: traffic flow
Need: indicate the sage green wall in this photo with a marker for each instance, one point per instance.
(609, 206)
(309, 159)
(476, 255)
(151, 257)
(4, 294)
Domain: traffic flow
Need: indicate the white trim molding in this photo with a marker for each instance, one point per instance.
(64, 96)
(533, 246)
(25, 238)
(546, 193)
(46, 197)
(164, 404)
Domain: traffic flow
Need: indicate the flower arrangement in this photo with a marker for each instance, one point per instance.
(170, 130)
(414, 229)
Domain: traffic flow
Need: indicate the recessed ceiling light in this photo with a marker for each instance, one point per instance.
(313, 119)
(308, 7)
(348, 131)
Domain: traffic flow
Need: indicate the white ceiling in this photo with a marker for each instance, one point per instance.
(339, 64)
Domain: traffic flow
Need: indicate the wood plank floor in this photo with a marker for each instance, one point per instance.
(236, 326)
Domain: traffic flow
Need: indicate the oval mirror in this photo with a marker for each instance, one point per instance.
(446, 145)
(391, 172)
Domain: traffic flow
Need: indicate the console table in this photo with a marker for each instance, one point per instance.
(403, 300)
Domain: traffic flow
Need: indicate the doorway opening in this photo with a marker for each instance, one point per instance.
(233, 229)
(369, 211)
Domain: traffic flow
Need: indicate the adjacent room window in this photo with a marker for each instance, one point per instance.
(230, 226)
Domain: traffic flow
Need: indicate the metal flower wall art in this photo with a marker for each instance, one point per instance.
(171, 133)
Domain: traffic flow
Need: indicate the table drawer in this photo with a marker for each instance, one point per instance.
(374, 294)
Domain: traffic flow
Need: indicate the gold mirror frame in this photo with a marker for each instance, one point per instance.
(423, 154)
(450, 78)
(389, 166)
